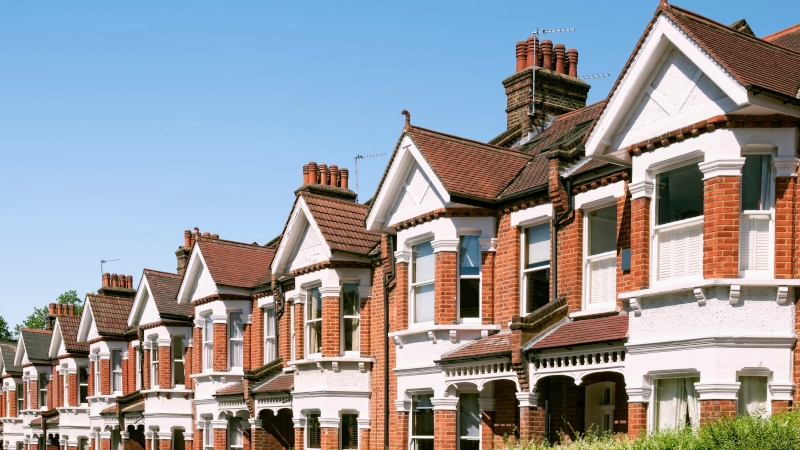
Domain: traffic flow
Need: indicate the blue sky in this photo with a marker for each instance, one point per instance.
(124, 123)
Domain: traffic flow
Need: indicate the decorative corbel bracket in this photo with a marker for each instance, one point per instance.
(736, 292)
(335, 366)
(432, 336)
(320, 367)
(700, 296)
(362, 367)
(636, 307)
(783, 294)
(398, 341)
(453, 336)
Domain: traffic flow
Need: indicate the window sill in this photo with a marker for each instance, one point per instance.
(455, 327)
(691, 284)
(605, 311)
(103, 398)
(334, 362)
(166, 391)
(72, 409)
(10, 420)
(216, 374)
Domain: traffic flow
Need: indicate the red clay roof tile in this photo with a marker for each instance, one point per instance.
(788, 38)
(164, 286)
(234, 389)
(110, 313)
(236, 264)
(283, 382)
(588, 331)
(69, 333)
(341, 223)
(496, 343)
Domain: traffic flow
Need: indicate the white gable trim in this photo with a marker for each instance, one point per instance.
(645, 63)
(143, 294)
(294, 232)
(196, 264)
(87, 319)
(55, 341)
(406, 156)
(20, 353)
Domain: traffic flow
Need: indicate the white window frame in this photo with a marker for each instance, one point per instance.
(587, 259)
(175, 361)
(7, 394)
(652, 416)
(767, 213)
(208, 434)
(411, 436)
(208, 343)
(307, 322)
(138, 353)
(42, 391)
(232, 341)
(478, 277)
(270, 326)
(65, 398)
(341, 429)
(756, 372)
(412, 303)
(20, 390)
(96, 375)
(78, 379)
(114, 372)
(235, 433)
(154, 363)
(349, 317)
(523, 230)
(307, 430)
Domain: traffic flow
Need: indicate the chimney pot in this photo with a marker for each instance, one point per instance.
(206, 234)
(344, 174)
(547, 54)
(333, 175)
(52, 308)
(533, 44)
(521, 55)
(559, 50)
(572, 57)
(114, 280)
(71, 310)
(323, 174)
(106, 279)
(59, 308)
(305, 174)
(312, 173)
(187, 238)
(129, 280)
(214, 236)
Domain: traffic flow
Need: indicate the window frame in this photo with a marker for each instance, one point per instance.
(232, 340)
(138, 365)
(42, 390)
(344, 317)
(411, 436)
(154, 363)
(354, 418)
(270, 341)
(460, 276)
(65, 397)
(459, 437)
(652, 413)
(768, 212)
(174, 361)
(412, 285)
(7, 394)
(207, 333)
(20, 398)
(80, 385)
(755, 373)
(96, 375)
(587, 241)
(208, 434)
(113, 372)
(312, 417)
(235, 432)
(307, 322)
(524, 271)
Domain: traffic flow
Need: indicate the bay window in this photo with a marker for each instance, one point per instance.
(116, 371)
(178, 440)
(469, 422)
(422, 422)
(43, 390)
(349, 431)
(153, 364)
(535, 267)
(83, 383)
(752, 396)
(235, 433)
(97, 374)
(20, 400)
(423, 277)
(678, 226)
(236, 341)
(313, 322)
(138, 368)
(351, 307)
(600, 257)
(469, 279)
(677, 403)
(208, 434)
(177, 361)
(313, 432)
(755, 241)
(208, 343)
(270, 347)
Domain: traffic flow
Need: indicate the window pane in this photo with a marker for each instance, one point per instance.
(680, 194)
(469, 423)
(269, 325)
(350, 301)
(349, 431)
(313, 430)
(179, 375)
(422, 420)
(177, 347)
(537, 245)
(314, 337)
(752, 396)
(537, 289)
(351, 338)
(755, 179)
(208, 326)
(469, 298)
(424, 262)
(117, 360)
(603, 230)
(178, 441)
(314, 304)
(470, 255)
(236, 325)
(423, 303)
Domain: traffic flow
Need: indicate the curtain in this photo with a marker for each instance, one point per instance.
(692, 401)
(677, 403)
(236, 340)
(752, 395)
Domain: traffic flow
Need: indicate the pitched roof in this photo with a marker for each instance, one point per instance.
(69, 333)
(589, 331)
(37, 343)
(341, 223)
(788, 38)
(466, 167)
(165, 286)
(9, 350)
(494, 344)
(563, 127)
(281, 383)
(110, 410)
(110, 313)
(136, 407)
(234, 389)
(236, 264)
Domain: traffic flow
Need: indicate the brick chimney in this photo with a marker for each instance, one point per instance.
(330, 181)
(184, 251)
(558, 90)
(114, 286)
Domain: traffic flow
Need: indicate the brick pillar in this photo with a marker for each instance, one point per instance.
(188, 364)
(299, 334)
(779, 406)
(711, 410)
(165, 444)
(299, 441)
(247, 331)
(34, 445)
(91, 381)
(721, 227)
(445, 429)
(220, 434)
(73, 388)
(506, 271)
(148, 444)
(398, 304)
(256, 336)
(329, 437)
(220, 349)
(785, 228)
(12, 402)
(331, 323)
(258, 437)
(487, 429)
(637, 418)
(531, 418)
(105, 443)
(487, 287)
(639, 276)
(146, 369)
(285, 335)
(197, 348)
(398, 429)
(164, 367)
(55, 389)
(34, 393)
(105, 374)
(188, 444)
(364, 436)
(444, 303)
(365, 328)
(570, 262)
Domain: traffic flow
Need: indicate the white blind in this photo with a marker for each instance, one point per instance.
(538, 244)
(603, 273)
(680, 251)
(754, 242)
(424, 262)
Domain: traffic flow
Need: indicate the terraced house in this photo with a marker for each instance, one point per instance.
(616, 267)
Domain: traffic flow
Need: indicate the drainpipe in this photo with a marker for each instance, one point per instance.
(556, 221)
(387, 279)
(140, 335)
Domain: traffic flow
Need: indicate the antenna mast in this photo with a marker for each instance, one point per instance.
(359, 156)
(532, 109)
(103, 261)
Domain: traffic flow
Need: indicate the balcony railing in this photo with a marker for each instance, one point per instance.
(479, 369)
(680, 249)
(755, 242)
(602, 278)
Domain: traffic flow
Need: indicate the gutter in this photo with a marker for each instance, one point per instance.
(757, 90)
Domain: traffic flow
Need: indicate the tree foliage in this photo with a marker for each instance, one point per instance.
(38, 319)
(5, 333)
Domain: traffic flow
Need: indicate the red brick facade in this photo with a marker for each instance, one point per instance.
(637, 418)
(711, 410)
(331, 323)
(445, 430)
(220, 347)
(445, 304)
(721, 227)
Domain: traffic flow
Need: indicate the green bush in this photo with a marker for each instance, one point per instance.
(780, 431)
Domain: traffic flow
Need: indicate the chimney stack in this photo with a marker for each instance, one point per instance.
(183, 252)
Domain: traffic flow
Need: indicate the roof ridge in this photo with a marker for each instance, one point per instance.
(161, 272)
(34, 330)
(579, 110)
(333, 199)
(780, 33)
(234, 244)
(691, 15)
(508, 151)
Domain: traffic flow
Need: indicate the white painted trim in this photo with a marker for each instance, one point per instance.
(532, 216)
(642, 189)
(771, 341)
(595, 312)
(599, 196)
(691, 285)
(731, 167)
(424, 329)
(299, 217)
